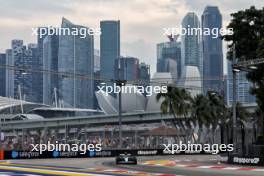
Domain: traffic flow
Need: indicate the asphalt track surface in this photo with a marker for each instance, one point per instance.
(180, 165)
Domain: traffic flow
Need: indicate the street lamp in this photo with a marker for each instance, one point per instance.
(120, 83)
(235, 71)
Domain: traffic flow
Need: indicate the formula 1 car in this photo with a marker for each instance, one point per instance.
(126, 159)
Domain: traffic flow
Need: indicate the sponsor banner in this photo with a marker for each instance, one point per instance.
(15, 154)
(246, 160)
(54, 154)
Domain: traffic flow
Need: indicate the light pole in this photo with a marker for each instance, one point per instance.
(234, 99)
(120, 83)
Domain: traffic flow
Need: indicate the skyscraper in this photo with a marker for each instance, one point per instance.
(37, 76)
(97, 70)
(2, 74)
(9, 74)
(40, 56)
(129, 68)
(212, 51)
(144, 73)
(243, 87)
(97, 60)
(76, 56)
(166, 53)
(109, 48)
(23, 82)
(50, 62)
(190, 42)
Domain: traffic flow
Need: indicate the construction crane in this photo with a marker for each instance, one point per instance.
(249, 64)
(173, 37)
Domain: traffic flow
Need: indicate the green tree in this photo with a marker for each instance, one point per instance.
(208, 109)
(248, 38)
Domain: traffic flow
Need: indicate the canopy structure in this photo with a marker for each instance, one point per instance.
(14, 106)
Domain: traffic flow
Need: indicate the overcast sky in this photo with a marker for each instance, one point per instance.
(142, 21)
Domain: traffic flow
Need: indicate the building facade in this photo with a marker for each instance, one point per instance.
(243, 87)
(168, 52)
(76, 56)
(24, 82)
(129, 68)
(97, 60)
(2, 74)
(9, 86)
(109, 48)
(212, 51)
(190, 42)
(50, 63)
(144, 72)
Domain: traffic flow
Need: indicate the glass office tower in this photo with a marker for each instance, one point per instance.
(109, 48)
(50, 62)
(2, 74)
(190, 42)
(76, 56)
(166, 52)
(212, 51)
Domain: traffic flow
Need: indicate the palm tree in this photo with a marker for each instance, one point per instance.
(208, 109)
(176, 101)
(201, 110)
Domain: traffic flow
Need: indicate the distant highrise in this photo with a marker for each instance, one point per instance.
(50, 62)
(2, 74)
(144, 73)
(128, 68)
(97, 70)
(167, 53)
(76, 56)
(9, 74)
(212, 51)
(243, 87)
(37, 76)
(97, 60)
(109, 48)
(40, 56)
(190, 42)
(25, 80)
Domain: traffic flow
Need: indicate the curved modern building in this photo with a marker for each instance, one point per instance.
(157, 80)
(131, 102)
(134, 102)
(107, 103)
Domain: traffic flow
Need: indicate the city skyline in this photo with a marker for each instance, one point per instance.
(110, 50)
(139, 35)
